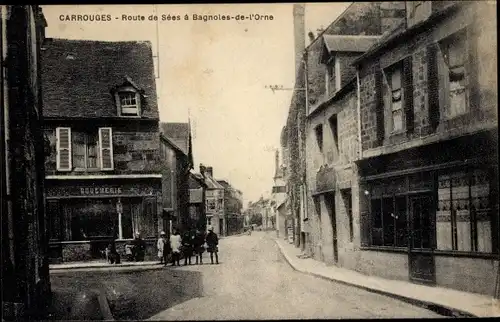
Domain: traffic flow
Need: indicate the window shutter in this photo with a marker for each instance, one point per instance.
(379, 106)
(433, 86)
(408, 94)
(472, 70)
(106, 148)
(63, 158)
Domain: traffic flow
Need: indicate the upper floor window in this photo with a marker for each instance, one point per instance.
(319, 136)
(393, 75)
(129, 103)
(454, 50)
(84, 150)
(332, 80)
(335, 130)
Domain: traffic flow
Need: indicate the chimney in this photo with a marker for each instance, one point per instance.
(299, 33)
(210, 171)
(203, 169)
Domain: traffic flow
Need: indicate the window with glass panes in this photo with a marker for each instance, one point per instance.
(389, 221)
(85, 150)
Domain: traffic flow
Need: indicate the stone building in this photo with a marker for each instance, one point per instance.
(177, 161)
(233, 204)
(328, 125)
(429, 138)
(103, 175)
(197, 207)
(214, 202)
(26, 290)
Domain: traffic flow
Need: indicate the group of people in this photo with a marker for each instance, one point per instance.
(192, 243)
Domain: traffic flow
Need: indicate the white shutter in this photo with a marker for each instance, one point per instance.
(63, 147)
(106, 148)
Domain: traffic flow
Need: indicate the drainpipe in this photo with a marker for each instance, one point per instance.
(358, 109)
(6, 126)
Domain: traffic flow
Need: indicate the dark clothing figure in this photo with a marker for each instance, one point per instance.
(187, 247)
(139, 249)
(112, 254)
(213, 246)
(199, 246)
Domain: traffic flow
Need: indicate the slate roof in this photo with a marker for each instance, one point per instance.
(212, 183)
(177, 133)
(78, 76)
(349, 43)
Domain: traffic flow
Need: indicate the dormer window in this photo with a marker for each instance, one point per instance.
(128, 99)
(129, 103)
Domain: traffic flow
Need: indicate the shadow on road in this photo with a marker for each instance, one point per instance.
(132, 295)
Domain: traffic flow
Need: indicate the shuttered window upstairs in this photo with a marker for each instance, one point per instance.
(106, 148)
(63, 145)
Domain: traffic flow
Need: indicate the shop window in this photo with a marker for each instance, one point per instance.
(454, 50)
(54, 218)
(463, 213)
(389, 221)
(93, 219)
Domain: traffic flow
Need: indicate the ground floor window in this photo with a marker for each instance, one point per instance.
(449, 210)
(464, 209)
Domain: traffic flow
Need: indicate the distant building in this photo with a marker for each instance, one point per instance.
(176, 159)
(214, 201)
(233, 204)
(103, 176)
(279, 197)
(197, 208)
(26, 291)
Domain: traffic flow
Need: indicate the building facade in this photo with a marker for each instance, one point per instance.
(279, 197)
(103, 175)
(197, 207)
(330, 127)
(429, 159)
(233, 204)
(214, 202)
(176, 165)
(26, 291)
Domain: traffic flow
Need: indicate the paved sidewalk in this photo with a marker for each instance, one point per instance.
(442, 300)
(101, 264)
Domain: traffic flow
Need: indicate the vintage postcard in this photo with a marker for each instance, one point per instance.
(249, 161)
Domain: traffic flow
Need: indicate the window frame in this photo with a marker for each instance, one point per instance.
(388, 74)
(86, 167)
(118, 101)
(444, 48)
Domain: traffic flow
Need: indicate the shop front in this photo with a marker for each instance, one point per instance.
(84, 216)
(435, 210)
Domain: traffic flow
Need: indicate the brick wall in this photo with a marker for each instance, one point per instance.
(135, 148)
(416, 47)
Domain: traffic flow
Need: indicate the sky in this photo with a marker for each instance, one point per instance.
(214, 73)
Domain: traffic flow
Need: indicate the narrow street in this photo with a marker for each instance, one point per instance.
(253, 281)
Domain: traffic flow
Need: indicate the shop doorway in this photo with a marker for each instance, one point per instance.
(221, 227)
(330, 206)
(421, 229)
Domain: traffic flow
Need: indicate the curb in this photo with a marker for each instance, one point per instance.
(108, 266)
(437, 308)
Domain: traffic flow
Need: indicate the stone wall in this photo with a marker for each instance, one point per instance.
(416, 47)
(136, 146)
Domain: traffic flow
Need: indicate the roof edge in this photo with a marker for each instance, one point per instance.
(335, 97)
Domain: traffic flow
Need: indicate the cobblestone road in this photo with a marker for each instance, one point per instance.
(253, 281)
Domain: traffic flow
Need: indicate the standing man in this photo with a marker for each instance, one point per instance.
(139, 247)
(175, 245)
(213, 245)
(199, 247)
(162, 245)
(187, 246)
